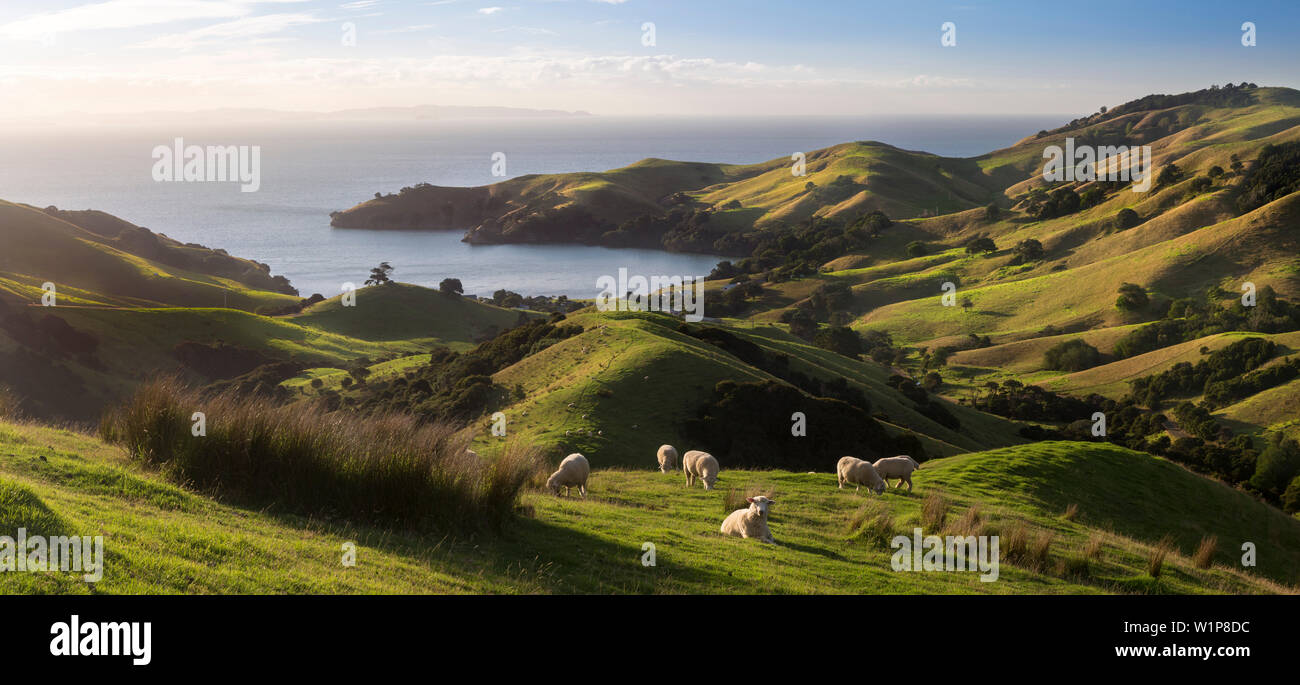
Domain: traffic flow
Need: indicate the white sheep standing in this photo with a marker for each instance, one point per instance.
(751, 522)
(573, 471)
(702, 465)
(900, 467)
(859, 472)
(667, 456)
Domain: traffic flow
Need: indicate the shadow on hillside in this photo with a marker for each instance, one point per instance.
(530, 556)
(809, 549)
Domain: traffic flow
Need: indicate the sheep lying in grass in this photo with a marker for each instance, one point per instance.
(667, 455)
(573, 471)
(751, 522)
(702, 465)
(900, 467)
(859, 472)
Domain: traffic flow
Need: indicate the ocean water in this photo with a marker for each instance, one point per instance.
(309, 170)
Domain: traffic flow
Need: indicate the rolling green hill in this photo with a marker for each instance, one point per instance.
(160, 538)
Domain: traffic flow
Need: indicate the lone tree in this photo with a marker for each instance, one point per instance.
(1131, 297)
(379, 275)
(979, 245)
(451, 286)
(1127, 218)
(1029, 250)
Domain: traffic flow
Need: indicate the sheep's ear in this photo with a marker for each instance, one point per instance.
(749, 499)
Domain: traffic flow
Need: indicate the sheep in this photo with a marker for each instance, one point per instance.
(900, 467)
(859, 472)
(702, 465)
(667, 456)
(574, 470)
(751, 522)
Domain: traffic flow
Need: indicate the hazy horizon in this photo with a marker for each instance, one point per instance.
(71, 58)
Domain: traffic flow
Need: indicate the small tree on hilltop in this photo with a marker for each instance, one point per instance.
(380, 275)
(451, 286)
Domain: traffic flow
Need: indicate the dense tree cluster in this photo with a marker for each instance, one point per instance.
(1186, 379)
(1276, 173)
(1189, 319)
(458, 386)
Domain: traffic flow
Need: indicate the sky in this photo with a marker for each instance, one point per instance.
(631, 57)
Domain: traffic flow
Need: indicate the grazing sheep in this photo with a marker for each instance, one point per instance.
(574, 470)
(900, 467)
(667, 455)
(702, 465)
(751, 522)
(859, 472)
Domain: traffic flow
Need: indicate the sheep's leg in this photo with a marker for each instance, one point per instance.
(909, 482)
(583, 489)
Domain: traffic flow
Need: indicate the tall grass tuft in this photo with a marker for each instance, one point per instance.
(1025, 548)
(971, 522)
(1071, 512)
(1156, 559)
(934, 511)
(386, 468)
(1205, 551)
(872, 521)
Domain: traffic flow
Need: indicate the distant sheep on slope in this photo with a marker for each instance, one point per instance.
(858, 472)
(900, 467)
(751, 522)
(573, 471)
(667, 456)
(701, 465)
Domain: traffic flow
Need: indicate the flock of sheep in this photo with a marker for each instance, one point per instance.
(752, 521)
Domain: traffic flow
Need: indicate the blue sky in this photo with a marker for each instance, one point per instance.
(717, 57)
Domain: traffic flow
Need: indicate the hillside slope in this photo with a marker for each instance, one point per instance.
(160, 538)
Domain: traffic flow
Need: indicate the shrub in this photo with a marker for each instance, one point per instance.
(1071, 355)
(917, 248)
(1126, 219)
(1132, 297)
(380, 468)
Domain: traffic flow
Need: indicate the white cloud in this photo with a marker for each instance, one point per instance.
(359, 5)
(491, 10)
(116, 14)
(121, 14)
(405, 29)
(239, 29)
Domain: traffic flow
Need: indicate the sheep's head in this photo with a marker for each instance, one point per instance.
(760, 504)
(878, 487)
(709, 480)
(553, 484)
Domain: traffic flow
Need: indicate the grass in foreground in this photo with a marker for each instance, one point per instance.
(161, 538)
(388, 468)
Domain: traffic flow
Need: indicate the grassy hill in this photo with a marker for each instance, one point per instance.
(90, 269)
(843, 180)
(160, 538)
(402, 311)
